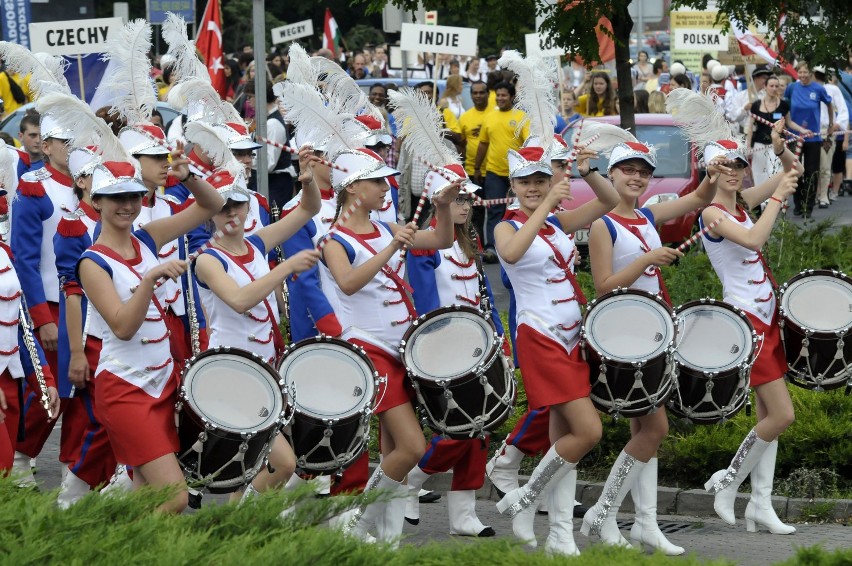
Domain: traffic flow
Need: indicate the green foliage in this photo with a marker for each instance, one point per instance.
(360, 35)
(817, 556)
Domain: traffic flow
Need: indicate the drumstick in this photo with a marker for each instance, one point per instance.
(226, 229)
(414, 219)
(294, 151)
(493, 201)
(171, 148)
(694, 238)
(766, 122)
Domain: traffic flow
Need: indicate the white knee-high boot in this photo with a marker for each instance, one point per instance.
(560, 504)
(463, 519)
(645, 529)
(759, 510)
(724, 483)
(416, 479)
(600, 519)
(520, 503)
(365, 517)
(390, 520)
(502, 468)
(72, 490)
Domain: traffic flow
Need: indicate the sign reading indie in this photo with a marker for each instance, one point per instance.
(438, 39)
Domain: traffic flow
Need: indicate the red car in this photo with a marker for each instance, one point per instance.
(676, 174)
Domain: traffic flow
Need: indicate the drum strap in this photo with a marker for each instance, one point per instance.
(402, 287)
(664, 291)
(113, 255)
(760, 256)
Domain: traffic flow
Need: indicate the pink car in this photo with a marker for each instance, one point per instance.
(676, 174)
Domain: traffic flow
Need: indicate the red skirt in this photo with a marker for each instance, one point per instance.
(397, 389)
(551, 375)
(771, 362)
(141, 428)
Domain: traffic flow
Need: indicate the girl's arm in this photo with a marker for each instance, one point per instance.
(753, 196)
(123, 319)
(443, 234)
(699, 198)
(607, 196)
(512, 244)
(352, 279)
(78, 366)
(211, 272)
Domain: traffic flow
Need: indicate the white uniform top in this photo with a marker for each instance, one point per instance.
(387, 213)
(10, 302)
(627, 247)
(145, 360)
(457, 279)
(745, 283)
(543, 292)
(377, 313)
(171, 289)
(253, 223)
(94, 324)
(252, 331)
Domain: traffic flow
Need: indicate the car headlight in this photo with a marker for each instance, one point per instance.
(661, 197)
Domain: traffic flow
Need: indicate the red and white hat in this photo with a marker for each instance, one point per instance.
(529, 160)
(632, 150)
(726, 149)
(559, 150)
(82, 161)
(438, 181)
(373, 131)
(115, 178)
(50, 128)
(361, 163)
(138, 143)
(229, 186)
(236, 135)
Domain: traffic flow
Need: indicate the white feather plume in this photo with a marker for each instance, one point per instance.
(421, 127)
(306, 109)
(698, 117)
(187, 63)
(86, 129)
(215, 110)
(535, 92)
(8, 178)
(208, 139)
(136, 97)
(343, 93)
(45, 70)
(300, 69)
(609, 136)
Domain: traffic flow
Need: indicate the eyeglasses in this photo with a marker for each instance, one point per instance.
(462, 200)
(736, 165)
(630, 171)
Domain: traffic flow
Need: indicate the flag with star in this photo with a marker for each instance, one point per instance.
(209, 44)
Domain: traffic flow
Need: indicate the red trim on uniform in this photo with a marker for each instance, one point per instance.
(71, 228)
(771, 362)
(422, 253)
(262, 201)
(31, 188)
(172, 181)
(539, 355)
(41, 315)
(329, 325)
(397, 390)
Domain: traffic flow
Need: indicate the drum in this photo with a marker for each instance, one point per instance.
(716, 348)
(464, 384)
(230, 409)
(816, 316)
(331, 386)
(628, 334)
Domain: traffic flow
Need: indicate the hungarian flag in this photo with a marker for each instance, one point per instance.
(751, 45)
(331, 34)
(782, 32)
(209, 44)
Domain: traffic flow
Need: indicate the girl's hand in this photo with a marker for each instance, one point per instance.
(405, 236)
(448, 194)
(53, 401)
(559, 192)
(171, 270)
(777, 141)
(78, 370)
(178, 162)
(716, 168)
(307, 160)
(583, 157)
(662, 256)
(303, 261)
(788, 185)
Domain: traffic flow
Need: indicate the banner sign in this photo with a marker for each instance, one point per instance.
(156, 10)
(438, 39)
(73, 37)
(16, 22)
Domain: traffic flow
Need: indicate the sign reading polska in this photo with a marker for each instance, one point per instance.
(707, 39)
(291, 32)
(73, 37)
(438, 39)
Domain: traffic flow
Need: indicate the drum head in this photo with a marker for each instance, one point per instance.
(326, 380)
(713, 338)
(449, 345)
(822, 303)
(629, 326)
(233, 391)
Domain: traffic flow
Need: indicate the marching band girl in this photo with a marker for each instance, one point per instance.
(734, 250)
(625, 251)
(237, 288)
(375, 310)
(136, 377)
(534, 249)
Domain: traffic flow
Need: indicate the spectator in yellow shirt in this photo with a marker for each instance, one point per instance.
(600, 100)
(470, 124)
(499, 134)
(13, 91)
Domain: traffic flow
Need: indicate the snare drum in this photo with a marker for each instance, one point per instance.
(816, 316)
(629, 335)
(229, 411)
(463, 382)
(716, 348)
(331, 385)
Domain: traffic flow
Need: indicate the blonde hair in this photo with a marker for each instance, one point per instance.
(657, 102)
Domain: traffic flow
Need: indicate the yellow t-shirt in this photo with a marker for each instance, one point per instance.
(450, 121)
(471, 126)
(492, 99)
(498, 131)
(582, 107)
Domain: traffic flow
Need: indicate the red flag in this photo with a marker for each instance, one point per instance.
(209, 44)
(782, 32)
(331, 34)
(751, 45)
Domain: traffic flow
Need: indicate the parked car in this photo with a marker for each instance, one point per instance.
(676, 175)
(365, 84)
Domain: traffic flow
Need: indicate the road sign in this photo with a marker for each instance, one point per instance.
(292, 32)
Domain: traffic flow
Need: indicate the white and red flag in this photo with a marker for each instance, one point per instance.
(752, 45)
(331, 35)
(209, 44)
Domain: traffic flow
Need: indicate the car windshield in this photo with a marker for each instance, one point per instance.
(672, 150)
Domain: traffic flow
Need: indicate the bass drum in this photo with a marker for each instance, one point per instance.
(716, 348)
(628, 334)
(229, 411)
(331, 386)
(464, 384)
(816, 316)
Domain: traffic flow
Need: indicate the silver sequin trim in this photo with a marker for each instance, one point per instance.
(533, 488)
(373, 483)
(611, 490)
(736, 463)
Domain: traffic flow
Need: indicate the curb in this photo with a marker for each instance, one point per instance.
(676, 501)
